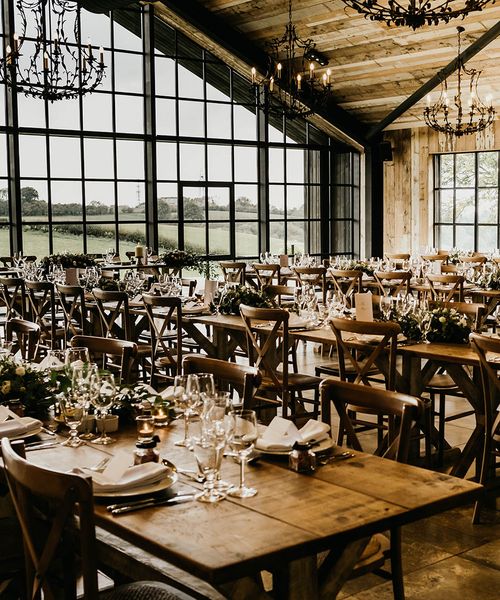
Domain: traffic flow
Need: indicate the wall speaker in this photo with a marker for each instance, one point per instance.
(385, 150)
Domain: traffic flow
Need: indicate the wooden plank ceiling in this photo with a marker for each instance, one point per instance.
(374, 67)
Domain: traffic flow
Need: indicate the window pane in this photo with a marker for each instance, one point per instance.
(464, 209)
(296, 235)
(166, 160)
(488, 168)
(125, 39)
(218, 80)
(31, 111)
(129, 114)
(165, 117)
(277, 237)
(167, 202)
(194, 204)
(100, 200)
(64, 114)
(446, 170)
(192, 162)
(246, 201)
(487, 206)
(97, 112)
(295, 199)
(247, 239)
(276, 165)
(295, 166)
(465, 170)
(191, 120)
(131, 202)
(32, 156)
(5, 240)
(65, 157)
(245, 124)
(245, 163)
(218, 120)
(66, 200)
(487, 239)
(444, 207)
(218, 239)
(464, 237)
(130, 158)
(67, 238)
(128, 72)
(165, 76)
(34, 197)
(129, 234)
(3, 155)
(276, 201)
(219, 163)
(168, 236)
(218, 204)
(444, 236)
(190, 73)
(36, 238)
(341, 237)
(100, 238)
(99, 158)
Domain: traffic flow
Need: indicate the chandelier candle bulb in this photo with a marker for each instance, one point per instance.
(280, 66)
(45, 61)
(271, 84)
(101, 56)
(328, 75)
(254, 72)
(16, 43)
(325, 79)
(299, 82)
(311, 70)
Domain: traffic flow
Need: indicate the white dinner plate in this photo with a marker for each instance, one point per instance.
(320, 447)
(195, 310)
(150, 488)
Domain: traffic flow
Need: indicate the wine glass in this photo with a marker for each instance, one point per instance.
(102, 395)
(208, 453)
(386, 306)
(241, 439)
(77, 356)
(186, 397)
(82, 379)
(73, 410)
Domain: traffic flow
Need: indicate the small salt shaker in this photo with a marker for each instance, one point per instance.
(302, 459)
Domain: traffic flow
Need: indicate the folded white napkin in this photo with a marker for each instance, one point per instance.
(282, 434)
(19, 427)
(134, 477)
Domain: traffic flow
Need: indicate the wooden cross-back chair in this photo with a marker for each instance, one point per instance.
(398, 258)
(7, 261)
(244, 379)
(266, 274)
(393, 282)
(58, 548)
(315, 276)
(488, 351)
(443, 257)
(454, 287)
(267, 350)
(43, 304)
(165, 331)
(25, 337)
(72, 299)
(233, 272)
(13, 296)
(401, 412)
(347, 282)
(101, 350)
(113, 308)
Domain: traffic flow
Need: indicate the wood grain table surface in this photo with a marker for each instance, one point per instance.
(291, 519)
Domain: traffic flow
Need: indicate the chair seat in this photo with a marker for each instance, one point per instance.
(143, 349)
(441, 381)
(332, 368)
(145, 590)
(295, 381)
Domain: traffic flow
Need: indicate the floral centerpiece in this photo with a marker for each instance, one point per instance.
(232, 298)
(488, 280)
(20, 382)
(68, 260)
(455, 254)
(130, 400)
(184, 259)
(359, 265)
(445, 325)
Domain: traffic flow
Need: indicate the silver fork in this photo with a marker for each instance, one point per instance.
(100, 465)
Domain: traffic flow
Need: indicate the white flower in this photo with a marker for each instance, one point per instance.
(442, 319)
(20, 371)
(5, 389)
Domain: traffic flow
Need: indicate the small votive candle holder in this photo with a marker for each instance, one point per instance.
(145, 427)
(160, 414)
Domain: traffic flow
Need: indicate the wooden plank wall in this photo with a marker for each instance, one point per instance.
(408, 206)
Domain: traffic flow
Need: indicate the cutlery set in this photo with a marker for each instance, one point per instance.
(126, 507)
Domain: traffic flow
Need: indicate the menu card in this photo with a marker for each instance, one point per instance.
(210, 289)
(284, 260)
(364, 306)
(436, 267)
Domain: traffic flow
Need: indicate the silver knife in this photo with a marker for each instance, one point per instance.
(131, 507)
(41, 446)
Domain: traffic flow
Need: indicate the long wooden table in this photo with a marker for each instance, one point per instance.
(282, 528)
(420, 363)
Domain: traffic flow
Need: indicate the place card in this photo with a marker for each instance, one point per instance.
(364, 306)
(210, 289)
(436, 267)
(284, 260)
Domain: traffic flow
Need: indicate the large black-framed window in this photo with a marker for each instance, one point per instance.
(466, 201)
(170, 152)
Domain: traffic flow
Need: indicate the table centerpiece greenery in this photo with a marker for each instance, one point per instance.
(185, 259)
(234, 296)
(68, 260)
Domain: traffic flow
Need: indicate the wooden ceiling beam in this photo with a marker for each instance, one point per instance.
(236, 50)
(445, 72)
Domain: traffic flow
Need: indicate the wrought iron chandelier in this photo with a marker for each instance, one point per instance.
(415, 13)
(46, 58)
(464, 113)
(291, 84)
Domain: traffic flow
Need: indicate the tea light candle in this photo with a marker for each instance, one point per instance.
(160, 417)
(145, 427)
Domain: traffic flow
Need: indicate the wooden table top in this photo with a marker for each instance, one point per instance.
(292, 515)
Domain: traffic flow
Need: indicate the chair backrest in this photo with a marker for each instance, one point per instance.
(376, 339)
(402, 412)
(312, 276)
(42, 299)
(266, 274)
(268, 351)
(453, 287)
(393, 282)
(189, 285)
(100, 349)
(27, 337)
(45, 503)
(72, 298)
(398, 257)
(244, 379)
(7, 261)
(280, 293)
(13, 296)
(443, 257)
(347, 282)
(233, 272)
(113, 307)
(488, 351)
(165, 314)
(478, 259)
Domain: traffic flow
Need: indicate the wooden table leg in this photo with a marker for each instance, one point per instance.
(298, 580)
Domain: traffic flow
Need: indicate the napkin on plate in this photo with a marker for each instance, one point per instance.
(282, 434)
(134, 477)
(22, 426)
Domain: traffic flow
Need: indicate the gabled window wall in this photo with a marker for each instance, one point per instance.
(170, 152)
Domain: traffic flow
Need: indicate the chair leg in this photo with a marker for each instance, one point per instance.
(441, 420)
(397, 565)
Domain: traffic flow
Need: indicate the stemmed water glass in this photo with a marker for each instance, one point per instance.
(241, 439)
(102, 395)
(73, 411)
(386, 306)
(77, 356)
(83, 377)
(208, 452)
(186, 397)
